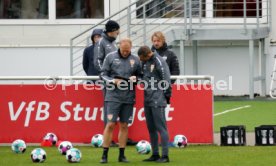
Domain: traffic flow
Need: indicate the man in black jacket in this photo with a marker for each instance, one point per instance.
(88, 54)
(160, 46)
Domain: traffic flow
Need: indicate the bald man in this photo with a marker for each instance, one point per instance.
(119, 72)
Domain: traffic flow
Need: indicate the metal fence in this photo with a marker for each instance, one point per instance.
(140, 19)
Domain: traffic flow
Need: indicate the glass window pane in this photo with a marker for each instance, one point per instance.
(23, 9)
(234, 8)
(79, 9)
(169, 8)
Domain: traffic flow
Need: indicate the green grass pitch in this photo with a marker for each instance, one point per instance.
(193, 155)
(259, 113)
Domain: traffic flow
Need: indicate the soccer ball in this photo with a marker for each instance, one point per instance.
(180, 141)
(38, 155)
(64, 146)
(143, 147)
(51, 137)
(18, 146)
(97, 140)
(73, 155)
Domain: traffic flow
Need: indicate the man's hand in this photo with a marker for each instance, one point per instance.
(133, 79)
(117, 81)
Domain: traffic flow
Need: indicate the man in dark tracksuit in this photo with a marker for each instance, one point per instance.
(156, 72)
(119, 67)
(88, 54)
(160, 46)
(105, 46)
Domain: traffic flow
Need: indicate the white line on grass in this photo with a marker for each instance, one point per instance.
(234, 109)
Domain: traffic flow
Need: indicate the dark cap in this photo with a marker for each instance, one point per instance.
(111, 26)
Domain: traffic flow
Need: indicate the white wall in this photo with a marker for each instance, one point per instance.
(34, 61)
(220, 62)
(38, 35)
(273, 13)
(225, 61)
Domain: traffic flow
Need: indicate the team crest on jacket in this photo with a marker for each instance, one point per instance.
(132, 62)
(151, 68)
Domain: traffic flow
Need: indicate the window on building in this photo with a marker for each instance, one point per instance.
(68, 9)
(170, 8)
(23, 9)
(234, 8)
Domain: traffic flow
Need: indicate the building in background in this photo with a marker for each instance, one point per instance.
(35, 35)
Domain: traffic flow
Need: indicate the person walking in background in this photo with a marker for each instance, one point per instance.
(160, 46)
(88, 54)
(119, 67)
(157, 95)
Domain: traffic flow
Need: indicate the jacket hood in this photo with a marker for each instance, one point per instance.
(96, 32)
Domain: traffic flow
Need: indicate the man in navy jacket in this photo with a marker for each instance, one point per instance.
(88, 54)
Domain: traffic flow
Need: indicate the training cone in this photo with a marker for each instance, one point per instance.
(46, 143)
